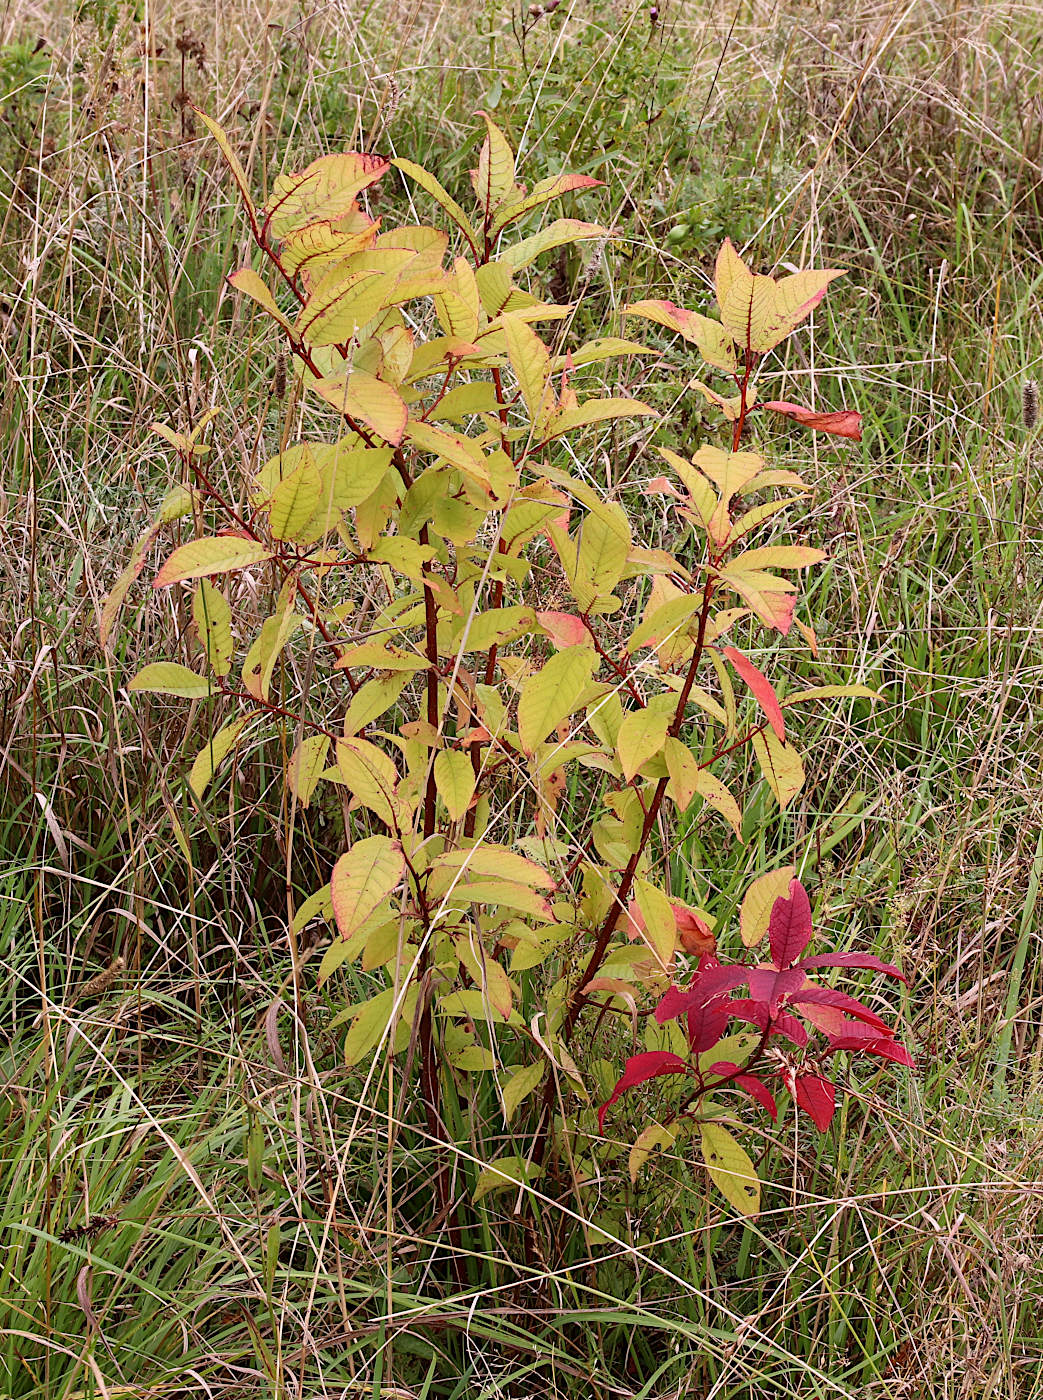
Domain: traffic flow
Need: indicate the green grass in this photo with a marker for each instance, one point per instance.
(272, 1221)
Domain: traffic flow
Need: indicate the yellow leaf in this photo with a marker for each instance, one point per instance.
(344, 299)
(428, 182)
(263, 655)
(455, 781)
(208, 759)
(326, 189)
(371, 700)
(730, 1168)
(519, 1086)
(713, 342)
(716, 795)
(496, 863)
(781, 765)
(601, 557)
(200, 558)
(234, 164)
(641, 736)
(493, 181)
(660, 930)
(370, 775)
(213, 623)
(294, 501)
(755, 913)
(530, 361)
(646, 1142)
(247, 281)
(305, 766)
(170, 678)
(561, 231)
(362, 879)
(371, 401)
(551, 695)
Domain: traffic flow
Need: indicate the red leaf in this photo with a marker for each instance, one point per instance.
(639, 1069)
(756, 1088)
(762, 689)
(853, 960)
(757, 1013)
(769, 985)
(706, 1024)
(707, 984)
(828, 996)
(695, 934)
(564, 629)
(847, 423)
(790, 926)
(818, 1098)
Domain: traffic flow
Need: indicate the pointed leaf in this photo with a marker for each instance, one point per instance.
(817, 1096)
(519, 1086)
(200, 558)
(561, 231)
(171, 678)
(306, 765)
(758, 902)
(455, 781)
(655, 1135)
(212, 618)
(789, 928)
(551, 695)
(641, 736)
(714, 343)
(371, 401)
(847, 423)
(362, 879)
(762, 689)
(781, 765)
(639, 1069)
(208, 759)
(730, 1168)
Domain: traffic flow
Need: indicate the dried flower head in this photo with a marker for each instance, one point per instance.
(1030, 403)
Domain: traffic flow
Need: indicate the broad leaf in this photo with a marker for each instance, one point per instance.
(551, 695)
(171, 678)
(639, 1069)
(362, 878)
(781, 765)
(789, 928)
(731, 1169)
(758, 902)
(455, 781)
(200, 558)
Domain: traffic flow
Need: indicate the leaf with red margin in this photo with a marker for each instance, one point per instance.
(789, 929)
(847, 423)
(756, 1088)
(640, 1068)
(869, 960)
(565, 629)
(818, 1098)
(762, 689)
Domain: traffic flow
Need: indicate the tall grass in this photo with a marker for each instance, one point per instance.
(197, 1197)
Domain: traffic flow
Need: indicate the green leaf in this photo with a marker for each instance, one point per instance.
(208, 759)
(305, 766)
(641, 736)
(730, 1168)
(495, 863)
(170, 678)
(505, 1174)
(200, 558)
(561, 231)
(363, 877)
(519, 1086)
(372, 1020)
(455, 781)
(551, 695)
(213, 623)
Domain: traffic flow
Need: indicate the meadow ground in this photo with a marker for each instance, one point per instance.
(194, 1198)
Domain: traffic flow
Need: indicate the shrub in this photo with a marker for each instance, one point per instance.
(471, 648)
